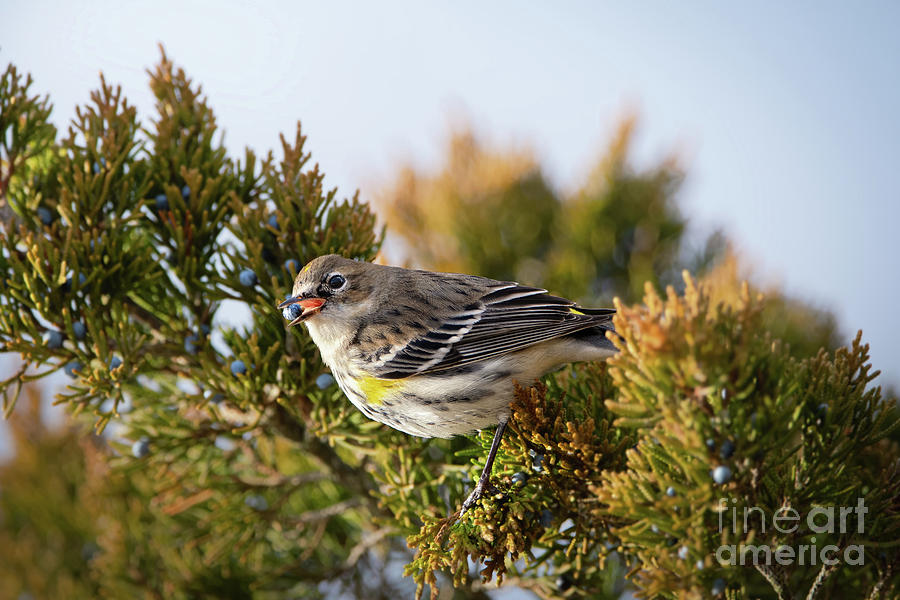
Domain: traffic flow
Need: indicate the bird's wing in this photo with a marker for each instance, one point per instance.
(506, 318)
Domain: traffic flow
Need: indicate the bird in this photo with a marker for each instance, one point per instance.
(437, 354)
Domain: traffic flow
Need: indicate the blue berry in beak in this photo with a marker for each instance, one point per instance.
(291, 312)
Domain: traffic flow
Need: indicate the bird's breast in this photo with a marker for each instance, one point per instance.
(332, 341)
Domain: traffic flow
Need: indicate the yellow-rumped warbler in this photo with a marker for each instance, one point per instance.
(436, 354)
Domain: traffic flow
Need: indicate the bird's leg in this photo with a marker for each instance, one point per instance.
(488, 466)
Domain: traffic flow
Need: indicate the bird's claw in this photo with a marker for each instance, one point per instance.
(473, 497)
(481, 489)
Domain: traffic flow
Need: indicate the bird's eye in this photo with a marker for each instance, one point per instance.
(336, 281)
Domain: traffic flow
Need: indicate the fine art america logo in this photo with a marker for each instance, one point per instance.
(824, 520)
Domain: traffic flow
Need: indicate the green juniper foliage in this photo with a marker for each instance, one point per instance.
(47, 508)
(230, 465)
(120, 246)
(726, 418)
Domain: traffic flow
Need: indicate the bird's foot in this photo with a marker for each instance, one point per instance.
(484, 482)
(482, 489)
(474, 497)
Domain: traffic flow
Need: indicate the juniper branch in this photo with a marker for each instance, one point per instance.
(824, 573)
(346, 475)
(775, 580)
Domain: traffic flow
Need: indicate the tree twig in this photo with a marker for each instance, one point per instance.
(312, 516)
(823, 575)
(354, 479)
(364, 545)
(774, 580)
(878, 588)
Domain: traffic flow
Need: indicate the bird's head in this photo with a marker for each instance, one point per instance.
(330, 285)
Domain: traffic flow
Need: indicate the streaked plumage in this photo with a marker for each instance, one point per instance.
(435, 354)
(439, 351)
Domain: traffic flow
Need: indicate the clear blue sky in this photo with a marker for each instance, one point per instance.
(787, 116)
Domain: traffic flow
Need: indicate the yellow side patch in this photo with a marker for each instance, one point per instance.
(575, 312)
(375, 389)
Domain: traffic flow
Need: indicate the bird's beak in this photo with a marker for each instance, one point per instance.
(310, 307)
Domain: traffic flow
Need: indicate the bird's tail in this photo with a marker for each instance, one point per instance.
(596, 336)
